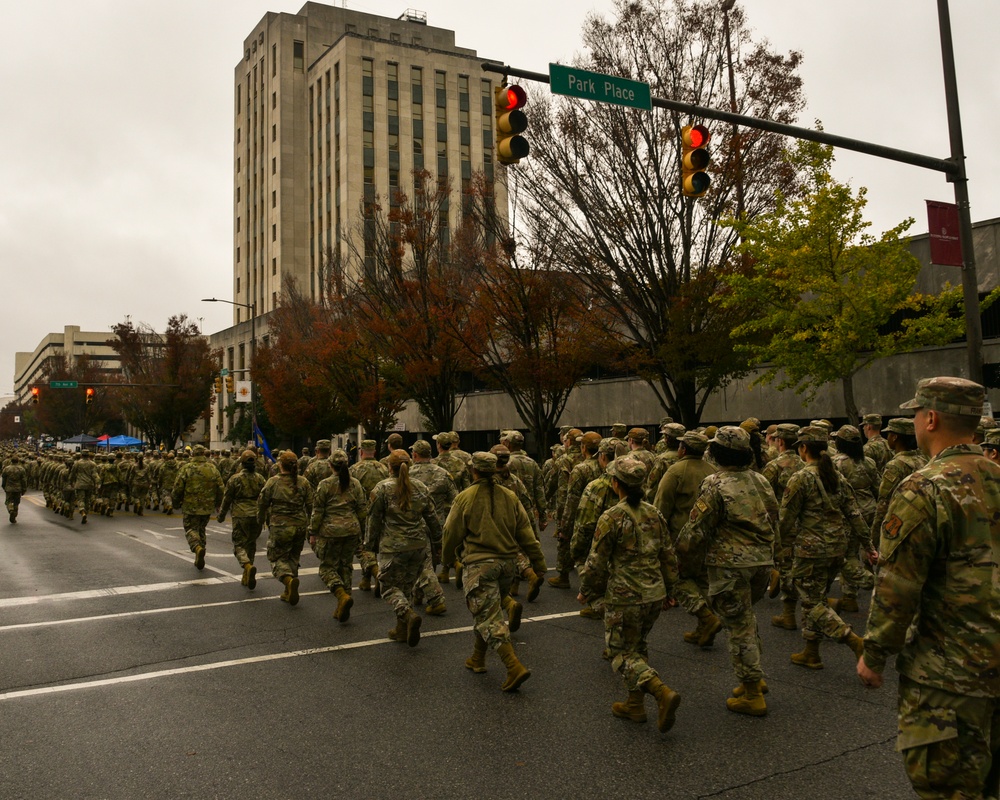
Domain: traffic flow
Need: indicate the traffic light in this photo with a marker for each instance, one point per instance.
(90, 395)
(694, 160)
(218, 385)
(35, 391)
(511, 121)
(230, 384)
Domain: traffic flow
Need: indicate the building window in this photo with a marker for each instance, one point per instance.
(298, 56)
(274, 266)
(237, 259)
(274, 166)
(274, 99)
(274, 133)
(274, 233)
(274, 299)
(274, 60)
(237, 284)
(274, 199)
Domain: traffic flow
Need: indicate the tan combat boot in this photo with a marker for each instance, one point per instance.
(560, 580)
(436, 609)
(535, 582)
(366, 580)
(855, 642)
(344, 603)
(809, 657)
(458, 575)
(291, 593)
(517, 673)
(477, 661)
(250, 576)
(843, 604)
(513, 609)
(398, 634)
(667, 701)
(786, 619)
(413, 620)
(708, 626)
(443, 575)
(738, 690)
(515, 586)
(774, 584)
(199, 557)
(750, 702)
(633, 708)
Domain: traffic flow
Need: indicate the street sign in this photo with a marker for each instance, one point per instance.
(223, 372)
(64, 384)
(600, 88)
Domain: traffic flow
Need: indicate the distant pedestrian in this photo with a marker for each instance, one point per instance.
(198, 493)
(285, 503)
(242, 491)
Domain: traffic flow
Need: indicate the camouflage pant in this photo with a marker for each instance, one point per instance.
(366, 558)
(194, 529)
(109, 496)
(398, 574)
(246, 532)
(564, 555)
(853, 575)
(733, 593)
(336, 560)
(948, 742)
(427, 584)
(284, 548)
(691, 592)
(166, 500)
(812, 578)
(84, 500)
(12, 500)
(625, 632)
(485, 583)
(140, 496)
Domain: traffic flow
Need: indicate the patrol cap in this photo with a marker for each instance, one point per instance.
(732, 438)
(710, 431)
(421, 447)
(992, 439)
(443, 438)
(397, 457)
(322, 444)
(338, 458)
(872, 419)
(247, 455)
(590, 440)
(515, 437)
(770, 430)
(848, 433)
(750, 424)
(903, 425)
(484, 463)
(825, 424)
(393, 441)
(628, 470)
(665, 421)
(813, 433)
(639, 434)
(608, 446)
(950, 396)
(573, 434)
(556, 448)
(695, 442)
(787, 431)
(563, 430)
(198, 450)
(367, 444)
(673, 429)
(287, 458)
(502, 454)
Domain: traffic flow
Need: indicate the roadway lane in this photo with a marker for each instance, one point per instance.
(125, 672)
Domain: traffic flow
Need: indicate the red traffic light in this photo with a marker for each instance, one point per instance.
(511, 98)
(35, 392)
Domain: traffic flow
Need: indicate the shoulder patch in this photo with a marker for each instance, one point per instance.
(891, 527)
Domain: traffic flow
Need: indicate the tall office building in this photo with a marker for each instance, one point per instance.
(334, 107)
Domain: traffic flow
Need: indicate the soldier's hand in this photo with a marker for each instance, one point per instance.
(870, 678)
(581, 599)
(873, 556)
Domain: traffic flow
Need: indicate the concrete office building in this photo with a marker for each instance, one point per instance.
(32, 368)
(334, 108)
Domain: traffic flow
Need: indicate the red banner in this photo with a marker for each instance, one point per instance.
(942, 224)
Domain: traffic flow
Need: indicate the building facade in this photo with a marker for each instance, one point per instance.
(32, 368)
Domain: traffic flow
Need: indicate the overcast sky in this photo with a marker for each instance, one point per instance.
(117, 138)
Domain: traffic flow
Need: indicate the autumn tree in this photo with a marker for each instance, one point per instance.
(16, 421)
(408, 289)
(66, 412)
(828, 297)
(171, 376)
(605, 180)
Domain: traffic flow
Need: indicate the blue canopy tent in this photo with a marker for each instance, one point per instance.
(122, 441)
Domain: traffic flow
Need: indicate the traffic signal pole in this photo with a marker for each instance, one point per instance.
(953, 167)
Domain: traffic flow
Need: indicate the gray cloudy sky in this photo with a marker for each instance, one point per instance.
(116, 142)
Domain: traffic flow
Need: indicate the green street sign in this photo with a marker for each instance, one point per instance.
(600, 88)
(64, 384)
(223, 372)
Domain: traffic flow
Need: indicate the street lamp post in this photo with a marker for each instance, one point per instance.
(253, 350)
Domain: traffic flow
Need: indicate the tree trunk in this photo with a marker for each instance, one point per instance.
(850, 406)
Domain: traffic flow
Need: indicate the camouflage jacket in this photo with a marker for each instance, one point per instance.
(456, 467)
(338, 514)
(663, 461)
(282, 502)
(780, 469)
(242, 491)
(509, 480)
(392, 529)
(813, 521)
(527, 469)
(168, 474)
(15, 479)
(369, 474)
(488, 522)
(142, 479)
(563, 467)
(938, 572)
(597, 498)
(732, 521)
(877, 449)
(902, 465)
(863, 477)
(85, 475)
(109, 476)
(198, 488)
(678, 490)
(582, 474)
(631, 561)
(319, 469)
(645, 456)
(439, 483)
(227, 468)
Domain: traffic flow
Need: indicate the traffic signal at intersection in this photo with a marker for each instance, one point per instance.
(35, 392)
(511, 122)
(90, 395)
(230, 384)
(218, 384)
(695, 159)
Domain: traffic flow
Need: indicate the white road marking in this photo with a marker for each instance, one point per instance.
(111, 591)
(159, 535)
(167, 673)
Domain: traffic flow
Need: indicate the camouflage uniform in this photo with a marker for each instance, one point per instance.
(286, 505)
(527, 469)
(815, 519)
(563, 469)
(734, 520)
(902, 464)
(455, 466)
(241, 494)
(583, 473)
(319, 468)
(935, 604)
(168, 474)
(15, 483)
(197, 492)
(597, 498)
(337, 521)
(108, 493)
(675, 497)
(633, 567)
(369, 473)
(877, 449)
(864, 479)
(85, 475)
(141, 481)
